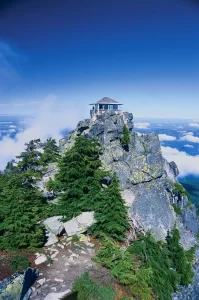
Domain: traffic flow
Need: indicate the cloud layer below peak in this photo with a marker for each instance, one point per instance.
(194, 125)
(186, 163)
(190, 138)
(142, 125)
(51, 118)
(166, 137)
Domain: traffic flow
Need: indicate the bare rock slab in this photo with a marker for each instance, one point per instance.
(52, 239)
(40, 259)
(80, 224)
(54, 225)
(57, 296)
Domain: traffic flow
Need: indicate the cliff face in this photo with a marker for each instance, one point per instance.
(144, 174)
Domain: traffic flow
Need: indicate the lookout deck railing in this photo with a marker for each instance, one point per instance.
(99, 112)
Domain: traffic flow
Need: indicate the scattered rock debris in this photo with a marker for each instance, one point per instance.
(63, 263)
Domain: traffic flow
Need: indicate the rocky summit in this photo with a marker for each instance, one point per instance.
(146, 178)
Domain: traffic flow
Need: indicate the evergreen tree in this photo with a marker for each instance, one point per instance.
(29, 165)
(79, 177)
(111, 213)
(50, 152)
(11, 167)
(125, 138)
(180, 258)
(20, 210)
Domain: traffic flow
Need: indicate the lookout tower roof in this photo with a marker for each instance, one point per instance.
(106, 100)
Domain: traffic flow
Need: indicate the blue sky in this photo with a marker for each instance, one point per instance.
(144, 54)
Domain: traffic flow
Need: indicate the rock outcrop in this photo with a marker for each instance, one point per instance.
(41, 184)
(17, 286)
(144, 174)
(79, 224)
(76, 226)
(54, 228)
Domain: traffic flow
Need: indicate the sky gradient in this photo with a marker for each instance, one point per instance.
(144, 54)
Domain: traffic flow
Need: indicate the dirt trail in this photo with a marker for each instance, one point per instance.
(66, 260)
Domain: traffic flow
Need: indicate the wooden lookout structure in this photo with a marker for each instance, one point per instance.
(103, 105)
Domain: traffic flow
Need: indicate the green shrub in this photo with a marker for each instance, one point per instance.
(18, 263)
(171, 264)
(179, 189)
(124, 269)
(89, 290)
(155, 255)
(177, 209)
(75, 238)
(50, 185)
(189, 204)
(150, 268)
(49, 260)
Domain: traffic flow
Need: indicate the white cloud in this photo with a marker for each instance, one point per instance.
(4, 131)
(182, 131)
(187, 164)
(52, 116)
(165, 137)
(190, 138)
(188, 133)
(194, 125)
(188, 146)
(142, 125)
(13, 126)
(12, 130)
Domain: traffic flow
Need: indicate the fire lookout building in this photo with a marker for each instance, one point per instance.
(103, 105)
